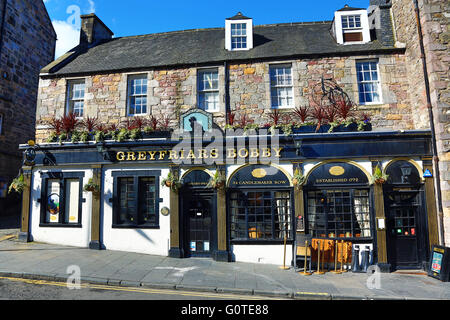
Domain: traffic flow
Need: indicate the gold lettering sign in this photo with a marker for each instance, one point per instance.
(231, 153)
(337, 171)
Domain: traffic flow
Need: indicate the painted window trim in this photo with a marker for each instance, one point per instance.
(61, 176)
(131, 77)
(218, 91)
(292, 86)
(249, 34)
(339, 30)
(379, 87)
(69, 89)
(135, 174)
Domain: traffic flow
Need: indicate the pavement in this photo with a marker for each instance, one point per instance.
(53, 262)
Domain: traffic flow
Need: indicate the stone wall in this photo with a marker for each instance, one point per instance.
(434, 18)
(250, 87)
(171, 92)
(27, 44)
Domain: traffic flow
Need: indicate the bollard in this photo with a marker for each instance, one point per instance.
(355, 259)
(335, 258)
(318, 260)
(365, 259)
(342, 259)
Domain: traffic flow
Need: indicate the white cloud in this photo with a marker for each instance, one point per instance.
(91, 6)
(68, 36)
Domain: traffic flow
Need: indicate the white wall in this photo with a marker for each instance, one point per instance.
(266, 254)
(148, 241)
(77, 237)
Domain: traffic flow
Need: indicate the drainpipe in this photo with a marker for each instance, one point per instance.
(227, 91)
(433, 133)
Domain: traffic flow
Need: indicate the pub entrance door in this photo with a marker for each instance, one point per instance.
(406, 228)
(199, 217)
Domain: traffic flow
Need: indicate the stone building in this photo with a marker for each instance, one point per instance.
(433, 16)
(264, 178)
(27, 44)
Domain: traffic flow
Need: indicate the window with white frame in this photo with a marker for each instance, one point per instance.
(352, 28)
(75, 97)
(281, 91)
(368, 82)
(238, 33)
(238, 36)
(137, 95)
(208, 90)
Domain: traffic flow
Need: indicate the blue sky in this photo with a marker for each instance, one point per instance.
(134, 17)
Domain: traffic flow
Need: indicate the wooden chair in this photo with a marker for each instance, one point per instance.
(301, 251)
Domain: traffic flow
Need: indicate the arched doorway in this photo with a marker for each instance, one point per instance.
(405, 216)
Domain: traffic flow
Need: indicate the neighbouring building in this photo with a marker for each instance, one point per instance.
(27, 44)
(269, 135)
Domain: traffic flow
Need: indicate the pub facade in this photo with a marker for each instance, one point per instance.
(239, 146)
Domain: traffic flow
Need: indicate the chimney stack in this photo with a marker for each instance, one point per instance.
(93, 30)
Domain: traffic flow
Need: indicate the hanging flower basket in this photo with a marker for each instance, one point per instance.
(217, 181)
(18, 184)
(92, 187)
(378, 176)
(171, 182)
(298, 179)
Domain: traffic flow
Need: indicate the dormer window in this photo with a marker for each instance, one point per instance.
(238, 33)
(238, 36)
(351, 26)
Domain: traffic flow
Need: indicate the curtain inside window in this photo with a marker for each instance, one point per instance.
(282, 214)
(72, 196)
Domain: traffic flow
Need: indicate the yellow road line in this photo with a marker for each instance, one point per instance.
(314, 293)
(7, 237)
(143, 290)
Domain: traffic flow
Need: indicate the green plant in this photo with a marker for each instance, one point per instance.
(135, 134)
(18, 184)
(53, 137)
(171, 182)
(84, 136)
(378, 176)
(75, 137)
(217, 181)
(250, 126)
(91, 187)
(298, 179)
(122, 135)
(99, 136)
(333, 125)
(62, 137)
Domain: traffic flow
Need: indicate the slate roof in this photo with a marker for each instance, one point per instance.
(204, 46)
(238, 16)
(347, 8)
